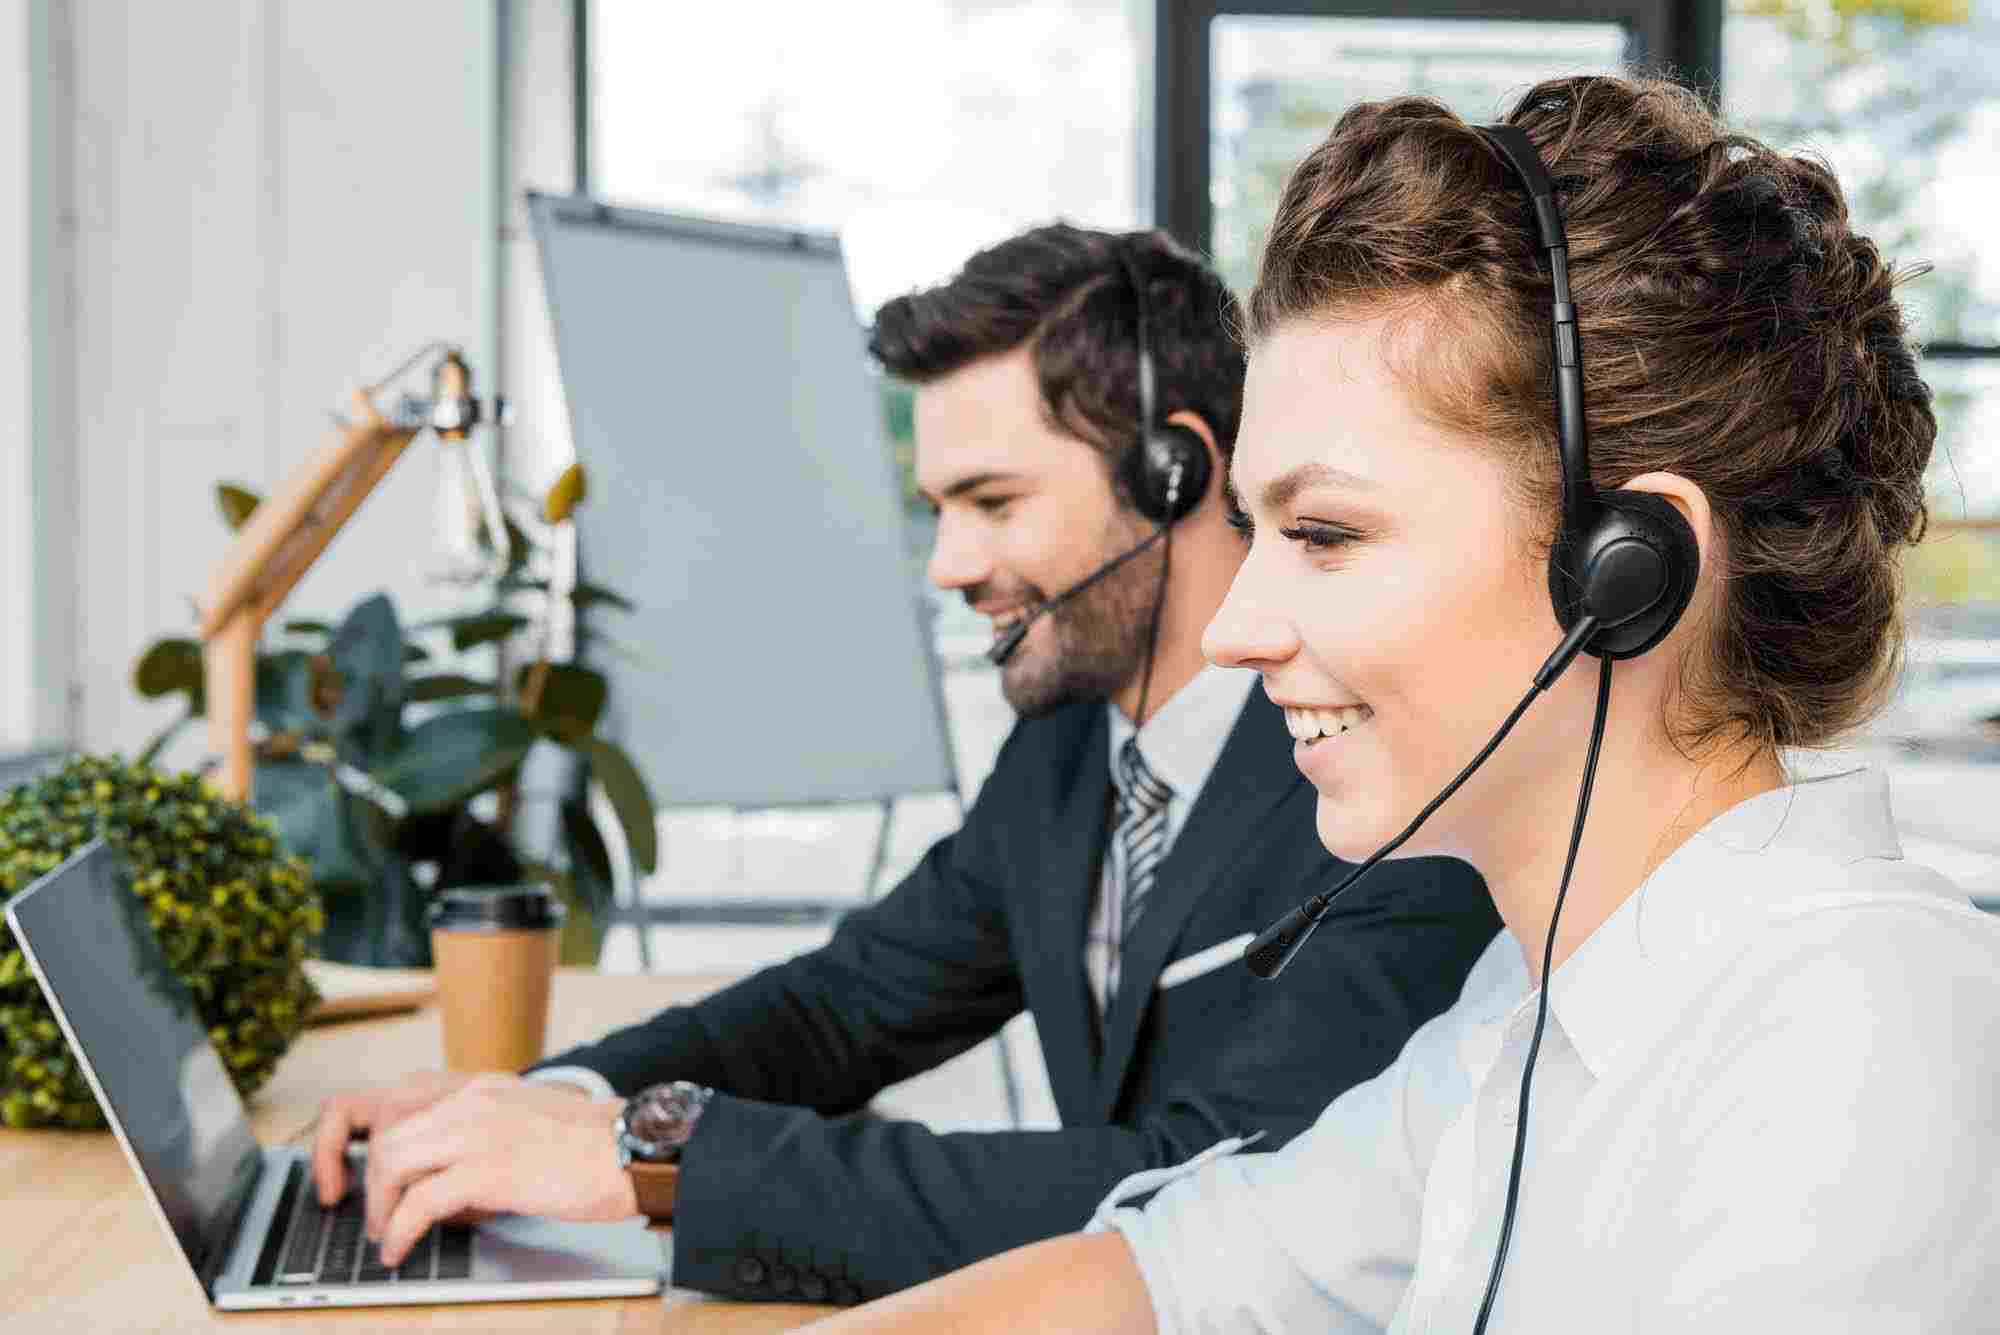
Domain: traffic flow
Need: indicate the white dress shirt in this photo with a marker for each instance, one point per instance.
(1181, 743)
(1767, 1100)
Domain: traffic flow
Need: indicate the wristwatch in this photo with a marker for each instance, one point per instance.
(651, 1132)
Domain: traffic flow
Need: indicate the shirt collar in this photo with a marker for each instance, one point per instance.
(1634, 970)
(1185, 736)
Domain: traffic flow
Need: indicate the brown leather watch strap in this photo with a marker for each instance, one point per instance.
(655, 1185)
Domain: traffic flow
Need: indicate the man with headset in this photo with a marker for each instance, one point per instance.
(1077, 401)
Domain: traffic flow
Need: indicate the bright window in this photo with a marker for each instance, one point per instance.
(920, 130)
(1278, 85)
(1902, 98)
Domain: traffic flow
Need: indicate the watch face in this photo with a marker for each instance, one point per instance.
(659, 1120)
(660, 1117)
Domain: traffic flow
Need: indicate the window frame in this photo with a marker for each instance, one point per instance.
(1682, 35)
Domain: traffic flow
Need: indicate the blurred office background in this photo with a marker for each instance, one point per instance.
(216, 219)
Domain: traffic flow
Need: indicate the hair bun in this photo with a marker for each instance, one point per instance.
(1736, 331)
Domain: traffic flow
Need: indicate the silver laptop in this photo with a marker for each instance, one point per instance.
(246, 1217)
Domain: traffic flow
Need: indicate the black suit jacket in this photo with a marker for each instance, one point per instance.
(789, 1190)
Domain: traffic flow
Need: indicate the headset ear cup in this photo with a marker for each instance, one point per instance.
(1639, 542)
(1150, 477)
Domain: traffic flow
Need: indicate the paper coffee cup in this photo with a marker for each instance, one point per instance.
(495, 950)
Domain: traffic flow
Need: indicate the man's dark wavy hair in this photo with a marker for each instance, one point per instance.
(1063, 290)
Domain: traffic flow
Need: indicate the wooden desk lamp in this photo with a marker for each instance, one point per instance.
(286, 534)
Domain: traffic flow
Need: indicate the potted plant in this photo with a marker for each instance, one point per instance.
(233, 912)
(393, 778)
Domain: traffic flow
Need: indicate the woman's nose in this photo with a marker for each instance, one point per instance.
(1249, 630)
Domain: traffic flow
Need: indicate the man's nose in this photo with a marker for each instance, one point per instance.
(959, 560)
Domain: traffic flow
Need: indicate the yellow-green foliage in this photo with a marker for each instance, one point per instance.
(1953, 566)
(233, 911)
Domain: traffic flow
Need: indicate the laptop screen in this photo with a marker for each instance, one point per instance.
(135, 1023)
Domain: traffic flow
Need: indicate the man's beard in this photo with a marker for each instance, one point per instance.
(1100, 636)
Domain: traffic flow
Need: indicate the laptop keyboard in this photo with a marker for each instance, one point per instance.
(327, 1246)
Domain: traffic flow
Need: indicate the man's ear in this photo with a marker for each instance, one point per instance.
(1218, 467)
(1193, 422)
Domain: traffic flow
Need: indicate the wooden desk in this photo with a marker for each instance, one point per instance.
(83, 1250)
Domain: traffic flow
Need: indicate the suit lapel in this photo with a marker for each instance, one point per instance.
(1065, 867)
(1253, 774)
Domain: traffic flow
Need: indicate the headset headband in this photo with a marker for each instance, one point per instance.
(1572, 439)
(1145, 339)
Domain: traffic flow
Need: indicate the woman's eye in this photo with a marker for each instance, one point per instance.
(994, 505)
(1238, 518)
(1317, 536)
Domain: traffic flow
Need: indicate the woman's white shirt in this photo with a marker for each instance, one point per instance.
(1767, 1099)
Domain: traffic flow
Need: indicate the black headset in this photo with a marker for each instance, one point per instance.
(1167, 471)
(1164, 475)
(1626, 557)
(1622, 570)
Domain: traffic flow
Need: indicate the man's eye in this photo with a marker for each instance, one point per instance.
(1319, 536)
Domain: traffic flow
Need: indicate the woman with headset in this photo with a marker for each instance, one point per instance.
(1762, 1089)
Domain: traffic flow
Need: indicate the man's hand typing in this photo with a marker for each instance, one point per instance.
(445, 1147)
(366, 1112)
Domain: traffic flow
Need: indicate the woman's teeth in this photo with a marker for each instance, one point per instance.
(1310, 725)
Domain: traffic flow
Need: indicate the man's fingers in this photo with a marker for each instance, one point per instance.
(411, 1150)
(339, 1118)
(424, 1142)
(437, 1197)
(371, 1111)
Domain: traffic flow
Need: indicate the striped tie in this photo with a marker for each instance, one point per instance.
(1140, 838)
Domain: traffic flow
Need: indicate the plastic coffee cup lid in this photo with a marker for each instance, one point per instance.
(496, 908)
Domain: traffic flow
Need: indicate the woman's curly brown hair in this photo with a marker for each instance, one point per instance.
(1735, 331)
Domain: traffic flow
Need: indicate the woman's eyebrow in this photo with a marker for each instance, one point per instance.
(1281, 490)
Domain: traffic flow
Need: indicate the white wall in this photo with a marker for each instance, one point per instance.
(273, 201)
(17, 729)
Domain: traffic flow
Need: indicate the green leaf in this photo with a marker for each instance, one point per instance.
(629, 798)
(589, 884)
(519, 546)
(572, 699)
(582, 934)
(589, 859)
(477, 628)
(313, 815)
(170, 665)
(454, 756)
(445, 686)
(308, 627)
(238, 504)
(586, 596)
(367, 653)
(284, 692)
(485, 629)
(415, 653)
(582, 942)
